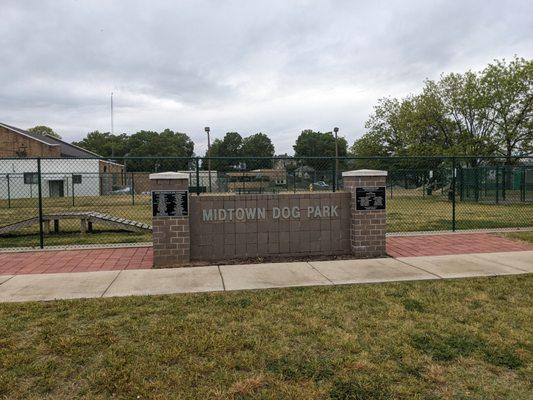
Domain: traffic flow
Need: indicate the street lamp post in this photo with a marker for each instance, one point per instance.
(336, 130)
(209, 156)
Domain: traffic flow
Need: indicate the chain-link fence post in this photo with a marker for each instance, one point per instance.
(197, 165)
(461, 177)
(40, 202)
(454, 173)
(9, 191)
(335, 175)
(504, 180)
(132, 189)
(209, 171)
(73, 194)
(522, 185)
(497, 184)
(476, 186)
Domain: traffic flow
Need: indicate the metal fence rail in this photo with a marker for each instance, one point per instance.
(46, 201)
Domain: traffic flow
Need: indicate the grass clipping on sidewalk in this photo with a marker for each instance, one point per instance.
(468, 338)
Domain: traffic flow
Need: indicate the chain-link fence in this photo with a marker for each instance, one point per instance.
(99, 201)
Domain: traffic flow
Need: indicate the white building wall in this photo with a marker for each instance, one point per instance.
(51, 169)
(217, 183)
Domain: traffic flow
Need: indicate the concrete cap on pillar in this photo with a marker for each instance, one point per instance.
(365, 172)
(169, 175)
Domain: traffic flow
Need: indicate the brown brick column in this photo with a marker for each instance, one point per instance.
(171, 234)
(368, 226)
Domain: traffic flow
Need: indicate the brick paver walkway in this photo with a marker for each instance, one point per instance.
(39, 262)
(440, 245)
(43, 262)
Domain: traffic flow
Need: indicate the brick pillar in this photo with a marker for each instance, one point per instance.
(171, 235)
(368, 223)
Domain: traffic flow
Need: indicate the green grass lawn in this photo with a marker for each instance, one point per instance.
(407, 211)
(455, 339)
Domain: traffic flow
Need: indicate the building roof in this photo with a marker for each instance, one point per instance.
(66, 149)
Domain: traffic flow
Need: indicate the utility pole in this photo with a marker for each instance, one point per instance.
(112, 127)
(208, 156)
(336, 130)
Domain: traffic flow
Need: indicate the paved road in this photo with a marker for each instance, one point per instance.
(71, 285)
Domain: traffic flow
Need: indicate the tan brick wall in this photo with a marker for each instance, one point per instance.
(141, 181)
(178, 240)
(11, 142)
(368, 228)
(170, 234)
(112, 168)
(171, 241)
(269, 237)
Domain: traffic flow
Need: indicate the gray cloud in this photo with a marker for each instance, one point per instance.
(271, 66)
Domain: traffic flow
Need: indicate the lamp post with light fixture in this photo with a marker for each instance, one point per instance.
(336, 130)
(207, 130)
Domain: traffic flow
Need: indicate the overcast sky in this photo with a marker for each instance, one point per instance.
(275, 67)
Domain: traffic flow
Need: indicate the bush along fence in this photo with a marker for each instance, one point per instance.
(70, 201)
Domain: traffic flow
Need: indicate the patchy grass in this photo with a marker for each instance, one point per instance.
(524, 236)
(460, 339)
(407, 211)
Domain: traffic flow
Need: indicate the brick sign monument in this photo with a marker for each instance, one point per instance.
(218, 227)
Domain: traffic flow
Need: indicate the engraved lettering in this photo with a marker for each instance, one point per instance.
(295, 212)
(207, 215)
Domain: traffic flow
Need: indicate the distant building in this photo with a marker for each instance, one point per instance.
(66, 169)
(257, 179)
(217, 184)
(304, 172)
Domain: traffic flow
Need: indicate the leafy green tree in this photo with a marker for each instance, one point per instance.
(509, 90)
(105, 144)
(174, 148)
(414, 126)
(44, 130)
(178, 146)
(236, 151)
(371, 144)
(464, 103)
(386, 129)
(317, 144)
(258, 145)
(474, 114)
(431, 131)
(229, 148)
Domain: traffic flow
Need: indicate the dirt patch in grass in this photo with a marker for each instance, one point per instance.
(468, 338)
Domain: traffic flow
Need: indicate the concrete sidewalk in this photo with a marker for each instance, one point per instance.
(30, 287)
